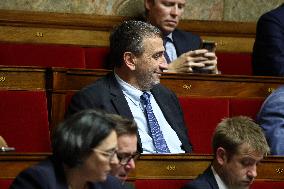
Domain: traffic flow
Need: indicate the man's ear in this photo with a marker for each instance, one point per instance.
(130, 60)
(221, 155)
(148, 4)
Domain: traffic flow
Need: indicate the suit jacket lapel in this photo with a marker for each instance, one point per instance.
(179, 43)
(210, 178)
(120, 103)
(164, 106)
(117, 98)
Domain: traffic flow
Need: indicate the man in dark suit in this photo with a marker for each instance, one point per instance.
(137, 52)
(268, 50)
(239, 145)
(183, 51)
(271, 120)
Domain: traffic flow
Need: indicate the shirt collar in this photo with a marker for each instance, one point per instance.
(219, 181)
(128, 90)
(170, 36)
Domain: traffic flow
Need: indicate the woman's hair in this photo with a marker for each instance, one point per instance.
(74, 139)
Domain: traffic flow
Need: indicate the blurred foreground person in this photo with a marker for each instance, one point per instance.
(84, 149)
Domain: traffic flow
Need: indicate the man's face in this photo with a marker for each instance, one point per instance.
(165, 14)
(150, 64)
(239, 171)
(127, 146)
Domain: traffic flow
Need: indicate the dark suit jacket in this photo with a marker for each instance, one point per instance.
(49, 174)
(185, 41)
(204, 181)
(106, 94)
(268, 50)
(271, 119)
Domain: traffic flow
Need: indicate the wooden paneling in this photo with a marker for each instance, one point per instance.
(185, 166)
(11, 164)
(182, 84)
(221, 85)
(43, 35)
(66, 81)
(90, 30)
(182, 166)
(16, 78)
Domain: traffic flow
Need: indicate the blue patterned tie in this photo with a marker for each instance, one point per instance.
(157, 135)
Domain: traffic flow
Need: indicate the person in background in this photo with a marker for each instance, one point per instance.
(183, 49)
(268, 49)
(133, 90)
(126, 146)
(84, 150)
(271, 120)
(238, 145)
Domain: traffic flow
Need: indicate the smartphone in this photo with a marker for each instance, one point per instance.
(209, 45)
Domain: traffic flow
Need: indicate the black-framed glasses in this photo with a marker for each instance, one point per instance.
(109, 154)
(125, 158)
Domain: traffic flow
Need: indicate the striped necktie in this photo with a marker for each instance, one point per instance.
(166, 39)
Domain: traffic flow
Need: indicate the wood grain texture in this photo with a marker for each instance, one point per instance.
(182, 166)
(90, 30)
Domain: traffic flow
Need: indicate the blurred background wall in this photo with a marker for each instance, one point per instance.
(226, 10)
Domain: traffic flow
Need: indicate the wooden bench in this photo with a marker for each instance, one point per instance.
(235, 40)
(67, 81)
(218, 95)
(152, 168)
(24, 111)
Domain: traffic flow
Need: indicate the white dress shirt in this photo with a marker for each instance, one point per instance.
(170, 48)
(220, 182)
(132, 96)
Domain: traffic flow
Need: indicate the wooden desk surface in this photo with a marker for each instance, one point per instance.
(182, 84)
(182, 166)
(185, 166)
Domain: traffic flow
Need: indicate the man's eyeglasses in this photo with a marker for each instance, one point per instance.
(125, 158)
(109, 154)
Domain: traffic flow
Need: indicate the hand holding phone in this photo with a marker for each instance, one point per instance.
(209, 45)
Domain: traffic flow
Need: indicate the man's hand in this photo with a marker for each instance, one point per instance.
(195, 61)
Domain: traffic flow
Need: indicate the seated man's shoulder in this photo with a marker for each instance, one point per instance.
(275, 99)
(277, 13)
(198, 184)
(185, 34)
(101, 83)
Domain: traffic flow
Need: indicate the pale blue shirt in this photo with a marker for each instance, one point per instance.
(170, 48)
(132, 96)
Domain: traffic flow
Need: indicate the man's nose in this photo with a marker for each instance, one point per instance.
(114, 160)
(252, 172)
(175, 10)
(130, 165)
(163, 64)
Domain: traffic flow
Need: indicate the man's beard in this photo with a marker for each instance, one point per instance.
(146, 81)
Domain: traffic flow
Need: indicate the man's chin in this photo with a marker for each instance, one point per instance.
(168, 29)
